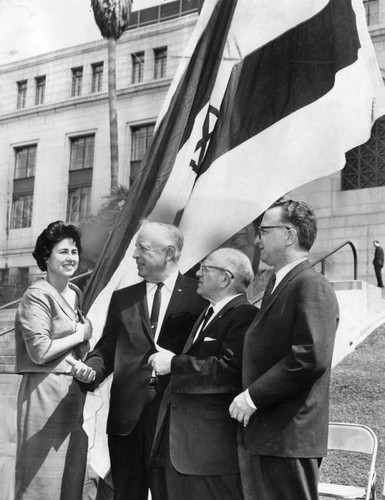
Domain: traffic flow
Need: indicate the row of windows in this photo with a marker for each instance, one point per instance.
(137, 59)
(365, 167)
(79, 189)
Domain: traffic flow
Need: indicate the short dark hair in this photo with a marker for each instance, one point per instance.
(301, 216)
(52, 234)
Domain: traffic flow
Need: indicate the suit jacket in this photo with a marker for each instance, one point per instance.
(378, 257)
(43, 315)
(204, 381)
(127, 343)
(287, 363)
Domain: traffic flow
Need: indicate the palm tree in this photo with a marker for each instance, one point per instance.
(112, 16)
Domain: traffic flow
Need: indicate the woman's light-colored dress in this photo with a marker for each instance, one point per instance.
(51, 444)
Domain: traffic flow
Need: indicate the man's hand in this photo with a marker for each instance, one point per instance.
(161, 361)
(241, 410)
(81, 371)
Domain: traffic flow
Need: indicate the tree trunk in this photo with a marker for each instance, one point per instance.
(114, 147)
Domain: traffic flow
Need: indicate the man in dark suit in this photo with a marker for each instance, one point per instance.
(378, 262)
(196, 440)
(160, 310)
(287, 363)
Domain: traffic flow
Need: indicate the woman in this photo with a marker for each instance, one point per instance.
(50, 331)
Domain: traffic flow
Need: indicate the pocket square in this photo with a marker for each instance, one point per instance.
(208, 339)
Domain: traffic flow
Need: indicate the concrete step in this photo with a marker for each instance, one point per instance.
(362, 309)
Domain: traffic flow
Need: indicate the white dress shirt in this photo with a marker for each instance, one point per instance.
(166, 292)
(216, 308)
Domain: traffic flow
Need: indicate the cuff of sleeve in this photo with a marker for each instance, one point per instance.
(249, 400)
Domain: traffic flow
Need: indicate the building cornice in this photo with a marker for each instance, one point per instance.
(82, 101)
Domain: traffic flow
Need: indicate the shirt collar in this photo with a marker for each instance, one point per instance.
(219, 305)
(286, 269)
(168, 283)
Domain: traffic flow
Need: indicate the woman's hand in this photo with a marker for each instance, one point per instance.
(85, 328)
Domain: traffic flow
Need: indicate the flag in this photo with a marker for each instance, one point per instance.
(269, 95)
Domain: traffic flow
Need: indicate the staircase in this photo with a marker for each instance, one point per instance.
(362, 309)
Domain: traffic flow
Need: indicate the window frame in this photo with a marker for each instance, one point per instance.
(22, 87)
(24, 219)
(160, 63)
(31, 152)
(76, 81)
(40, 84)
(137, 62)
(97, 77)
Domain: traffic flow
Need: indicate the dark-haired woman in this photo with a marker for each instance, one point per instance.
(50, 330)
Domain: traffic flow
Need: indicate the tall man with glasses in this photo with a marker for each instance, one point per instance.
(196, 439)
(288, 350)
(159, 311)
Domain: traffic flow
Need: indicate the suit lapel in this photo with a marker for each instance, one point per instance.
(143, 310)
(175, 299)
(198, 322)
(281, 285)
(233, 303)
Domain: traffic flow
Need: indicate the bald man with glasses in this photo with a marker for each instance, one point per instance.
(196, 440)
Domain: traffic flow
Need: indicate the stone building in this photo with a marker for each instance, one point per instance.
(54, 141)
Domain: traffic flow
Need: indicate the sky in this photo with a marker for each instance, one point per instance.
(32, 27)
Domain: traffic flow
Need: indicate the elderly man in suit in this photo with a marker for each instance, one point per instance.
(287, 363)
(196, 438)
(159, 311)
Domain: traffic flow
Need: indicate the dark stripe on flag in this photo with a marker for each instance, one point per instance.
(284, 76)
(192, 94)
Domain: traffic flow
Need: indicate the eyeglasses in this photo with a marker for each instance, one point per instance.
(263, 229)
(204, 268)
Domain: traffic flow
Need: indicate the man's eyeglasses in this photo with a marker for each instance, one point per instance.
(204, 268)
(264, 229)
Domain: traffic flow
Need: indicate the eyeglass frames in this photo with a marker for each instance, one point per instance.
(204, 268)
(263, 229)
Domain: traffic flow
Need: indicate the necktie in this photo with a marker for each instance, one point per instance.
(269, 288)
(209, 313)
(156, 307)
(206, 317)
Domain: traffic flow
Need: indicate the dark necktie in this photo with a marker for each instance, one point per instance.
(206, 317)
(156, 307)
(209, 313)
(269, 288)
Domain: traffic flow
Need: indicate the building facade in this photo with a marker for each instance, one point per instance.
(54, 127)
(54, 141)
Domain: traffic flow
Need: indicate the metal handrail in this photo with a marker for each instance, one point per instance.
(17, 301)
(323, 265)
(322, 259)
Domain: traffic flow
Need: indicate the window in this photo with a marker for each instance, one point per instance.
(77, 80)
(4, 276)
(25, 161)
(21, 211)
(21, 94)
(365, 165)
(40, 90)
(160, 62)
(140, 139)
(79, 202)
(137, 67)
(97, 77)
(82, 152)
(372, 9)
